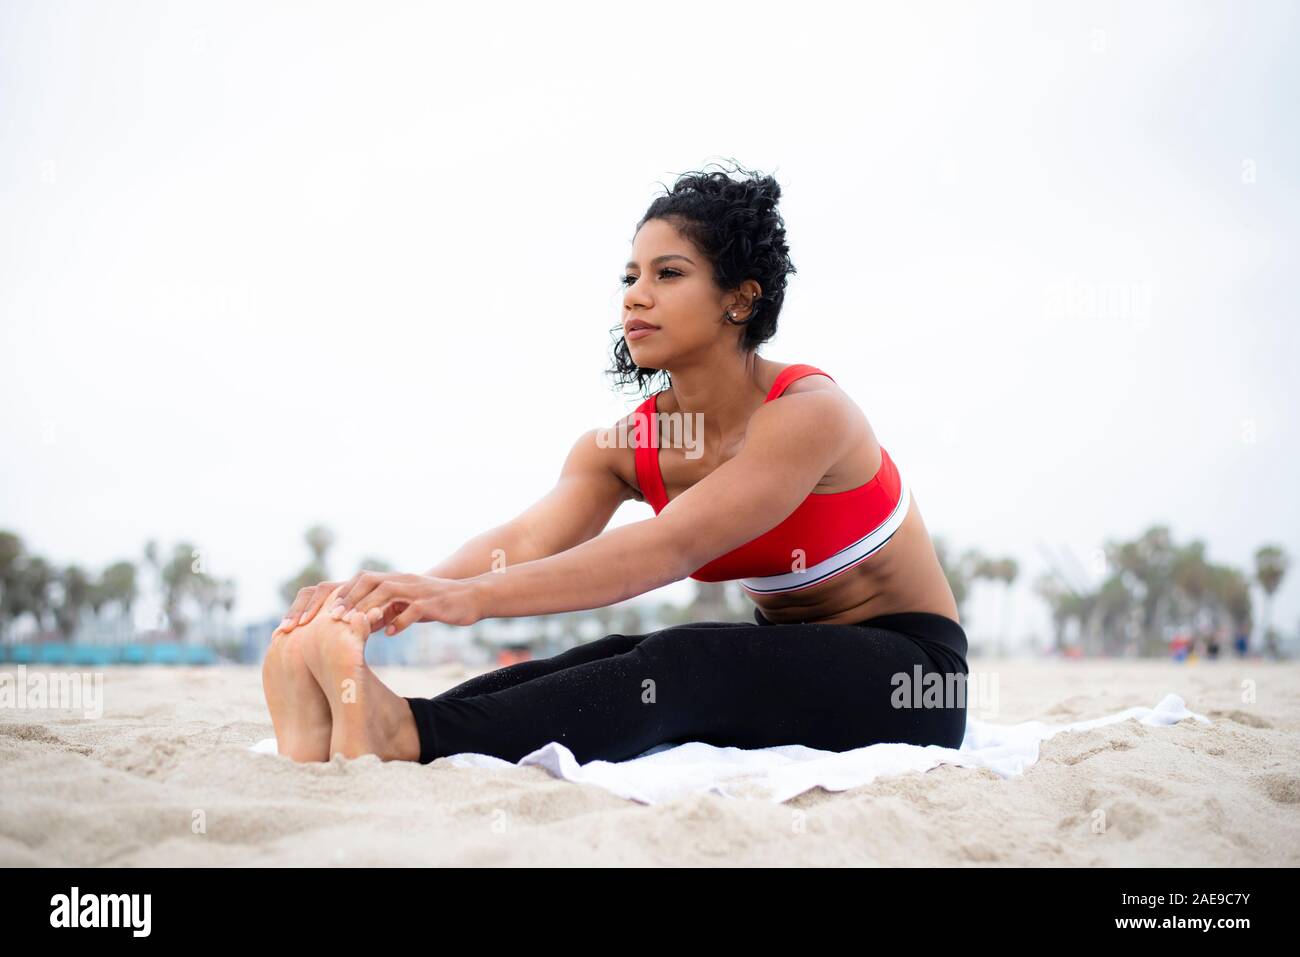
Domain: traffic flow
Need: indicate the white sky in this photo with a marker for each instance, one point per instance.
(266, 265)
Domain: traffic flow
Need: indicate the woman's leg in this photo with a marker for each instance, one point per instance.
(831, 687)
(522, 671)
(369, 718)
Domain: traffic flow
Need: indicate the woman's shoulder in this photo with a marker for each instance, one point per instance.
(843, 413)
(817, 381)
(812, 383)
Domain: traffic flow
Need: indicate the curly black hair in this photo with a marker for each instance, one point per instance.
(735, 223)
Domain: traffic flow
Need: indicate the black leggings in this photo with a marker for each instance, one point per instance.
(738, 684)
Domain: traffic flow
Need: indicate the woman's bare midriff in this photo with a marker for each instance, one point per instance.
(903, 576)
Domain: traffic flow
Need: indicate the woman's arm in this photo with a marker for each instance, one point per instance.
(788, 447)
(584, 499)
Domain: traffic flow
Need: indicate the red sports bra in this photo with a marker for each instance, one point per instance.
(826, 535)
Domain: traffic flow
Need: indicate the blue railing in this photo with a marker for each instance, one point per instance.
(132, 653)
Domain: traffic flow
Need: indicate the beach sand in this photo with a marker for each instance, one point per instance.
(165, 778)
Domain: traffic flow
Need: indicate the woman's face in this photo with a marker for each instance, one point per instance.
(669, 285)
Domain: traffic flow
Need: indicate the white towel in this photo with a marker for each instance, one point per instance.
(670, 771)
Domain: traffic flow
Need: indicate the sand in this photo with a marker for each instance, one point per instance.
(164, 778)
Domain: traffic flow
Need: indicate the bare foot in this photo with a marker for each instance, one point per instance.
(369, 717)
(300, 712)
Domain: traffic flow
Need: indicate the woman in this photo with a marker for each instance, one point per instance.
(856, 638)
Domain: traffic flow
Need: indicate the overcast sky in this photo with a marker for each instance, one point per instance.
(268, 265)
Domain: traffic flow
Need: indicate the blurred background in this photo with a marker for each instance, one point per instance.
(289, 290)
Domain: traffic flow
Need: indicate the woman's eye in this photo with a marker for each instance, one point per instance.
(628, 280)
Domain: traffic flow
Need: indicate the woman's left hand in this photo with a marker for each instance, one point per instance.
(404, 599)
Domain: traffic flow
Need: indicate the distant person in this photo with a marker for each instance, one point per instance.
(788, 491)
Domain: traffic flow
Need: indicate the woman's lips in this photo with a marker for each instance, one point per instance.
(641, 332)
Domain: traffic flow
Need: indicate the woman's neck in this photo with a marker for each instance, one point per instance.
(726, 393)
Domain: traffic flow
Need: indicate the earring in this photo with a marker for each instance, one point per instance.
(732, 315)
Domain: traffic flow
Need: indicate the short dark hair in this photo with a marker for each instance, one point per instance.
(735, 223)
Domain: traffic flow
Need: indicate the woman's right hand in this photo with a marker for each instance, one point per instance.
(309, 601)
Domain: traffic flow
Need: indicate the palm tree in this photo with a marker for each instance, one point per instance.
(1066, 596)
(30, 592)
(153, 559)
(1007, 571)
(206, 592)
(36, 579)
(76, 589)
(1191, 578)
(180, 580)
(1271, 563)
(1149, 564)
(1049, 587)
(118, 587)
(958, 572)
(1112, 618)
(998, 570)
(319, 540)
(1231, 592)
(226, 599)
(11, 560)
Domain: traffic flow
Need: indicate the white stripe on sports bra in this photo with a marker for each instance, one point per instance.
(842, 560)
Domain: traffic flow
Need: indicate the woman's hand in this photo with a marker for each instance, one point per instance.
(401, 600)
(308, 601)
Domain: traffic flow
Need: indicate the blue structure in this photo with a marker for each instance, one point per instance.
(92, 655)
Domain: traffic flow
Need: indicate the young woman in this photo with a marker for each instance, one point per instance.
(855, 639)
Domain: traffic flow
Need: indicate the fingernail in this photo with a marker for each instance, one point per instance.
(374, 614)
(390, 629)
(286, 624)
(337, 612)
(303, 619)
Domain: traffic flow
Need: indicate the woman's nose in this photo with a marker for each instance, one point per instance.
(635, 295)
